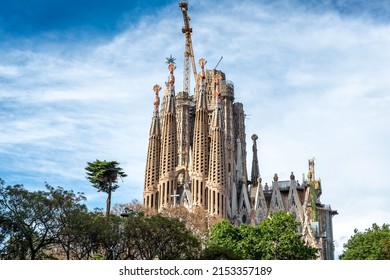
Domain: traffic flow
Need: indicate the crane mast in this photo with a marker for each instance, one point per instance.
(188, 50)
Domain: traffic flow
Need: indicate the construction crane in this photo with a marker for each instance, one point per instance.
(188, 51)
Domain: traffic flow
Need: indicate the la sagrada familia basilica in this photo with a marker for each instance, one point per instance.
(197, 158)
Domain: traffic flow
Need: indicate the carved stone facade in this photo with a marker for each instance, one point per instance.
(197, 158)
(194, 138)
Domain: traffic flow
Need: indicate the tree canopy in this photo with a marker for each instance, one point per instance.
(159, 237)
(104, 177)
(32, 222)
(274, 238)
(372, 244)
(55, 224)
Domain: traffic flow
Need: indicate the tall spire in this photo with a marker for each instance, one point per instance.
(200, 144)
(255, 162)
(201, 101)
(153, 158)
(217, 193)
(168, 162)
(155, 127)
(171, 106)
(244, 206)
(184, 118)
(169, 60)
(216, 120)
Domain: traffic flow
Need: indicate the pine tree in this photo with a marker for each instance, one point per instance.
(104, 177)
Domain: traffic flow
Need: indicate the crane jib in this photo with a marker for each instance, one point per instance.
(188, 50)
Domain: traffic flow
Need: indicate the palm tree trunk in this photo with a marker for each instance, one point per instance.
(108, 202)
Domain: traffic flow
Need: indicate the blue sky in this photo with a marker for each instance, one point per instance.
(25, 18)
(76, 81)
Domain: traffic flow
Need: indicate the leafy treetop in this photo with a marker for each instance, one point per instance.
(372, 244)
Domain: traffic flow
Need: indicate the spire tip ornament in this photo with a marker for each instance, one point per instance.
(170, 60)
(202, 62)
(156, 102)
(202, 76)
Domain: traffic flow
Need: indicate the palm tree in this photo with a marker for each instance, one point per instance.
(104, 176)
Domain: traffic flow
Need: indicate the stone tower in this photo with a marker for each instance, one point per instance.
(216, 183)
(193, 154)
(200, 143)
(197, 158)
(153, 159)
(167, 185)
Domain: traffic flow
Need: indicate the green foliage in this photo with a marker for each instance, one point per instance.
(216, 252)
(136, 237)
(104, 177)
(54, 224)
(32, 222)
(281, 241)
(159, 237)
(274, 238)
(223, 241)
(372, 244)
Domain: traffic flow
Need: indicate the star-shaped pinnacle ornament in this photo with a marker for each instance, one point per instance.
(170, 60)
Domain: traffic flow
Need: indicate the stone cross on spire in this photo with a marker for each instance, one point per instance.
(174, 197)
